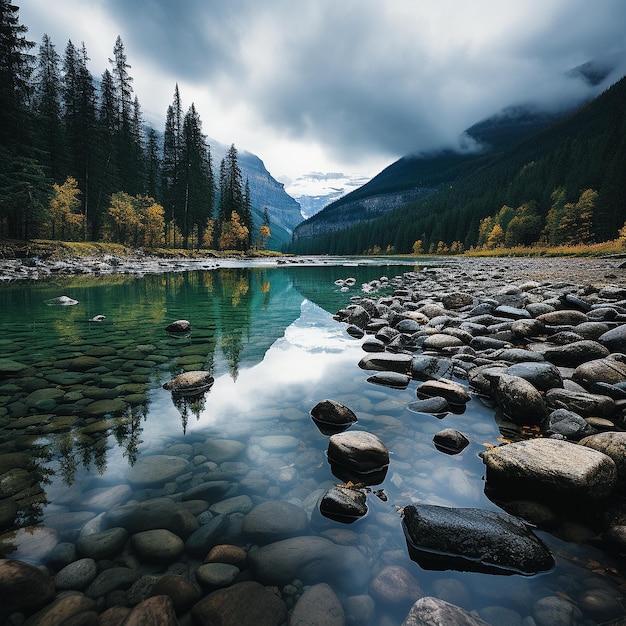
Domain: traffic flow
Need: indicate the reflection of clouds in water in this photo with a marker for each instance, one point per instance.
(312, 347)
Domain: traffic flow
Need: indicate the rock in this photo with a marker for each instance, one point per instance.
(220, 450)
(429, 611)
(390, 379)
(331, 416)
(541, 375)
(355, 331)
(344, 504)
(396, 586)
(450, 441)
(439, 342)
(190, 383)
(609, 370)
(371, 344)
(585, 404)
(179, 326)
(358, 451)
(112, 406)
(105, 498)
(275, 519)
(156, 469)
(431, 367)
(102, 545)
(519, 400)
(318, 606)
(387, 362)
(551, 471)
(61, 301)
(64, 609)
(355, 314)
(526, 328)
(556, 611)
(243, 603)
(568, 424)
(311, 559)
(180, 589)
(156, 610)
(613, 444)
(111, 579)
(563, 317)
(76, 575)
(573, 354)
(31, 543)
(212, 576)
(157, 546)
(472, 540)
(226, 553)
(23, 587)
(437, 406)
(207, 536)
(453, 392)
(614, 339)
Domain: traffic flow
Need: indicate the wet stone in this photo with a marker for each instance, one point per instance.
(24, 587)
(390, 379)
(76, 575)
(450, 441)
(111, 579)
(568, 424)
(102, 545)
(275, 519)
(157, 546)
(429, 610)
(435, 405)
(213, 576)
(453, 392)
(220, 450)
(156, 470)
(180, 589)
(359, 451)
(343, 504)
(318, 605)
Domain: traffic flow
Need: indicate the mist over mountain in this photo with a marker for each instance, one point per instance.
(419, 174)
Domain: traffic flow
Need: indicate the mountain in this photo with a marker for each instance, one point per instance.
(583, 150)
(265, 191)
(416, 176)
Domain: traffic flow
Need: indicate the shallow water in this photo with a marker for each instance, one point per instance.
(267, 335)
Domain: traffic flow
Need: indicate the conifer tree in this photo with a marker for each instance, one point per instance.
(172, 190)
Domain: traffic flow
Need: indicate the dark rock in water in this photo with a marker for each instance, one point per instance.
(390, 379)
(311, 559)
(512, 312)
(517, 355)
(386, 362)
(190, 383)
(371, 344)
(431, 367)
(386, 334)
(332, 417)
(154, 610)
(343, 504)
(541, 375)
(435, 405)
(568, 424)
(395, 586)
(519, 400)
(179, 326)
(358, 451)
(275, 519)
(355, 314)
(429, 610)
(355, 331)
(573, 354)
(564, 338)
(156, 469)
(453, 392)
(552, 471)
(318, 605)
(472, 540)
(450, 441)
(585, 404)
(23, 587)
(246, 602)
(407, 326)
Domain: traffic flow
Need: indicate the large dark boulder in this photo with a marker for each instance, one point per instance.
(441, 537)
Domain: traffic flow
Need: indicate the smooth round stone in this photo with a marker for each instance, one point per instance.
(359, 609)
(333, 413)
(247, 602)
(104, 498)
(62, 554)
(15, 481)
(275, 519)
(613, 444)
(212, 576)
(320, 605)
(24, 586)
(226, 553)
(157, 546)
(453, 392)
(9, 366)
(343, 504)
(102, 545)
(76, 575)
(207, 536)
(111, 579)
(358, 450)
(69, 524)
(104, 407)
(450, 441)
(179, 588)
(237, 504)
(563, 317)
(157, 469)
(220, 450)
(554, 611)
(440, 341)
(541, 375)
(395, 585)
(601, 606)
(73, 608)
(435, 405)
(155, 610)
(44, 399)
(278, 443)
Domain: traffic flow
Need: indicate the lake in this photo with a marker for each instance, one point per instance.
(82, 407)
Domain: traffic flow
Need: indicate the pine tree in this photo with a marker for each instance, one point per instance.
(172, 190)
(47, 105)
(231, 192)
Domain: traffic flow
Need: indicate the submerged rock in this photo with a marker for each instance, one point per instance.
(359, 451)
(332, 417)
(472, 540)
(343, 504)
(429, 611)
(190, 383)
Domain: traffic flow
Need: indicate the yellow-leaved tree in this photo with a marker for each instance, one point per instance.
(234, 234)
(64, 221)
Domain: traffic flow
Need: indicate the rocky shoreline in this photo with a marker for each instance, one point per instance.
(542, 341)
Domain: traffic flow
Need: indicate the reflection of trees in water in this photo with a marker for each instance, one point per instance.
(189, 404)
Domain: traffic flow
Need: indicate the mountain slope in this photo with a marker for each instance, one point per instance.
(584, 150)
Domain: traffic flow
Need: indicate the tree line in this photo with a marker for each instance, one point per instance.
(564, 185)
(78, 162)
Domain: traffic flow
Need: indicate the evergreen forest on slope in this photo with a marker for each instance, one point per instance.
(564, 184)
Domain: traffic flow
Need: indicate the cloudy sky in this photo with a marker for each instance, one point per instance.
(338, 86)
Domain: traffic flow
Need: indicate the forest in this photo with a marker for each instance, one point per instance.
(564, 185)
(77, 161)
